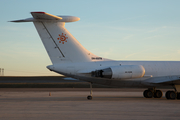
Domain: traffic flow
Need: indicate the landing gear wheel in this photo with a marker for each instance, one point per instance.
(158, 94)
(178, 96)
(167, 94)
(148, 93)
(145, 93)
(171, 95)
(89, 97)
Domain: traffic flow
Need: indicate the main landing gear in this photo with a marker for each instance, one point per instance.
(89, 97)
(172, 95)
(152, 93)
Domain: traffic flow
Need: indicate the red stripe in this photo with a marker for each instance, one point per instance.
(39, 12)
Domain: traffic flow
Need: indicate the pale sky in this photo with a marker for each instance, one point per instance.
(114, 29)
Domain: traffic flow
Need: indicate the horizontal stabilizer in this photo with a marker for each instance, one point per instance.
(46, 16)
(24, 20)
(42, 16)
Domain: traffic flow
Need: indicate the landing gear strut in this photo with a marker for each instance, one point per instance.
(153, 93)
(89, 97)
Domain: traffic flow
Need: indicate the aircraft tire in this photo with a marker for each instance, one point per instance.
(145, 93)
(171, 95)
(89, 97)
(148, 94)
(178, 95)
(158, 94)
(167, 94)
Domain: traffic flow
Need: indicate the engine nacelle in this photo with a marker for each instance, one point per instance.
(120, 72)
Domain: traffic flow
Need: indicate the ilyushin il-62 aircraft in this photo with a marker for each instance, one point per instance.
(71, 59)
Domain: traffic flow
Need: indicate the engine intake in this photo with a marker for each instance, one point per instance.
(120, 72)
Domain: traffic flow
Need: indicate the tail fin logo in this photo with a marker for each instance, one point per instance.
(62, 38)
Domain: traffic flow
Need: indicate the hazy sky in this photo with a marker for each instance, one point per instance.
(115, 29)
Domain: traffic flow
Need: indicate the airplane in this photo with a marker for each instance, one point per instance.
(71, 59)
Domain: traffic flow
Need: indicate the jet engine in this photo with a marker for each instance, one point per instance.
(120, 72)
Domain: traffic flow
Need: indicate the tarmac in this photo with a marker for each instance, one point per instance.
(71, 103)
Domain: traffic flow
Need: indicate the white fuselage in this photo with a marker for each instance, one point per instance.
(153, 69)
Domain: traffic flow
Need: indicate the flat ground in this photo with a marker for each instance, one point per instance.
(68, 104)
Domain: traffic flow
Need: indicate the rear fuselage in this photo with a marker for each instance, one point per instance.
(153, 69)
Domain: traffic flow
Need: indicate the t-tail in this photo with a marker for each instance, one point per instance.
(60, 45)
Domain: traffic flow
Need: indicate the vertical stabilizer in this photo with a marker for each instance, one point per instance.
(60, 45)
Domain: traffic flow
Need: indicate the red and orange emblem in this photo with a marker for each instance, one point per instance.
(62, 38)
